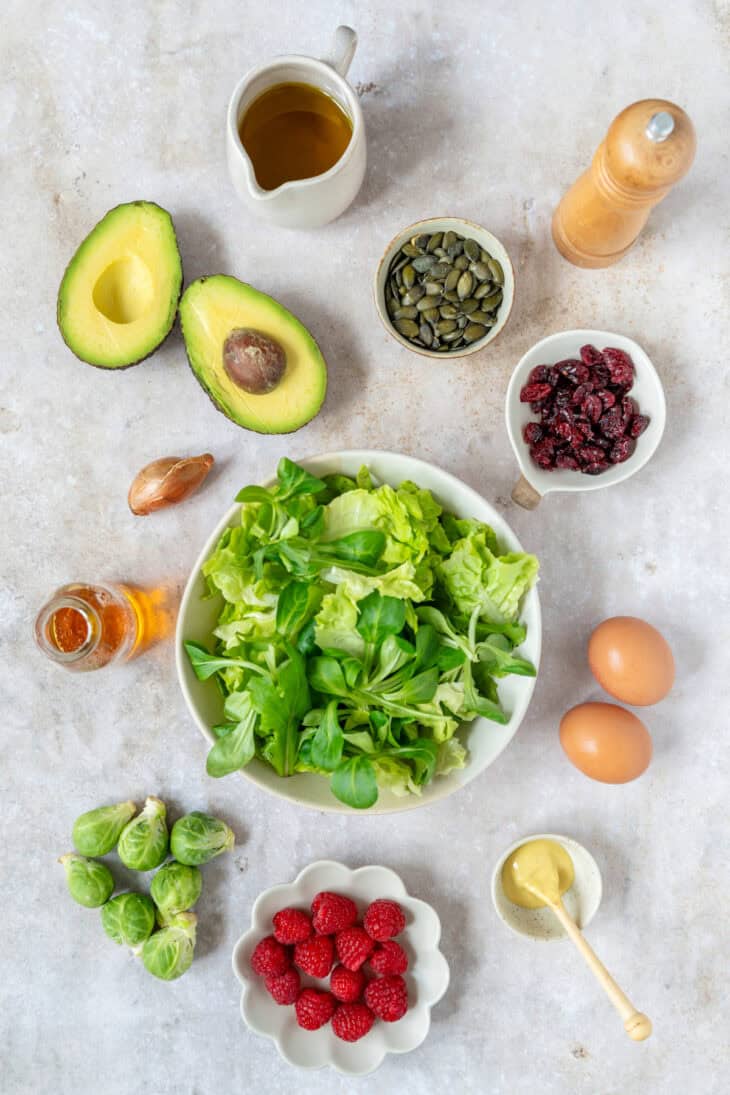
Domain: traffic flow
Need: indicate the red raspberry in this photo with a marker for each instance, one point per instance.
(384, 919)
(387, 997)
(285, 987)
(314, 1008)
(315, 955)
(332, 913)
(354, 946)
(292, 926)
(389, 957)
(270, 958)
(352, 1021)
(347, 984)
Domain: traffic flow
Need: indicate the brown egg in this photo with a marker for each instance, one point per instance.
(631, 660)
(605, 741)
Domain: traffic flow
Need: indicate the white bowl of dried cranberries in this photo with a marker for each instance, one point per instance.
(585, 409)
(340, 967)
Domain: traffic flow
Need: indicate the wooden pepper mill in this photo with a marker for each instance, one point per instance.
(648, 148)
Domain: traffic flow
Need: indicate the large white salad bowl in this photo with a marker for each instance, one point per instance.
(484, 740)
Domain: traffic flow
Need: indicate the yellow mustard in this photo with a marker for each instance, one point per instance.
(537, 873)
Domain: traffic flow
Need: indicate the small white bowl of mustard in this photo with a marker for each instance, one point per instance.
(581, 898)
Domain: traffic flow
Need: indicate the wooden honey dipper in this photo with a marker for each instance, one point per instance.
(649, 147)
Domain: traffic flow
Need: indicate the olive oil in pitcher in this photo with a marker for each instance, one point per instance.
(293, 131)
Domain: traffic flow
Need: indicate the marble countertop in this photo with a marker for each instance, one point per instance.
(471, 109)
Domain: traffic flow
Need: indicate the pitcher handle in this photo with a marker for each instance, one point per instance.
(342, 50)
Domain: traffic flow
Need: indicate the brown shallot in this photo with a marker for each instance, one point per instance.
(167, 481)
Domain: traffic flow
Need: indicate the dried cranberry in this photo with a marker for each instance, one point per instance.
(565, 460)
(584, 431)
(533, 432)
(539, 374)
(591, 454)
(620, 366)
(563, 397)
(637, 425)
(543, 453)
(590, 355)
(535, 393)
(622, 450)
(612, 423)
(600, 375)
(629, 407)
(607, 398)
(592, 407)
(566, 430)
(574, 371)
(596, 468)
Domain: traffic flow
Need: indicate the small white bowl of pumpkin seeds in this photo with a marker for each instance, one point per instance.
(444, 287)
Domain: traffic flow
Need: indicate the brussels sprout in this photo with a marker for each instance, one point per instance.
(97, 832)
(168, 953)
(197, 837)
(175, 888)
(90, 883)
(129, 918)
(143, 843)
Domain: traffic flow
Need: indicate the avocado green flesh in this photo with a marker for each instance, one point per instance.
(119, 295)
(214, 306)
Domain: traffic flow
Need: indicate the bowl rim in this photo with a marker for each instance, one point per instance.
(411, 802)
(566, 842)
(386, 257)
(549, 482)
(285, 889)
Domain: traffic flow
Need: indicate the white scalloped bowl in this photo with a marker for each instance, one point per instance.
(427, 977)
(485, 740)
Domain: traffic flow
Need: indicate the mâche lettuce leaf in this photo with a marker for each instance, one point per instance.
(360, 626)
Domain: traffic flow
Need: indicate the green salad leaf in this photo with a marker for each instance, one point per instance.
(360, 626)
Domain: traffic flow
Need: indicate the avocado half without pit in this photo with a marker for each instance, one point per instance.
(119, 295)
(257, 362)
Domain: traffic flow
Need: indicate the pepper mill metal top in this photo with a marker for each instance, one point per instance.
(649, 147)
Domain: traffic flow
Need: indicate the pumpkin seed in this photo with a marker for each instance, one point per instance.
(407, 328)
(464, 287)
(451, 336)
(440, 270)
(405, 313)
(410, 250)
(451, 279)
(433, 289)
(409, 276)
(472, 250)
(431, 314)
(423, 263)
(448, 311)
(427, 302)
(449, 239)
(425, 334)
(452, 295)
(484, 255)
(491, 302)
(473, 332)
(496, 271)
(461, 262)
(440, 253)
(483, 290)
(421, 242)
(455, 249)
(462, 322)
(446, 326)
(481, 317)
(414, 295)
(469, 305)
(434, 241)
(441, 349)
(480, 270)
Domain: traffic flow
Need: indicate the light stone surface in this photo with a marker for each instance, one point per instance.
(478, 110)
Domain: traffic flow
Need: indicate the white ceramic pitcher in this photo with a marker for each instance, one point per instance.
(301, 203)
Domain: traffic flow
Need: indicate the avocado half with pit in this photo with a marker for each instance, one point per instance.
(257, 362)
(119, 295)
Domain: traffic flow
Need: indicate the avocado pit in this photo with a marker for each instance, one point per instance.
(253, 361)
